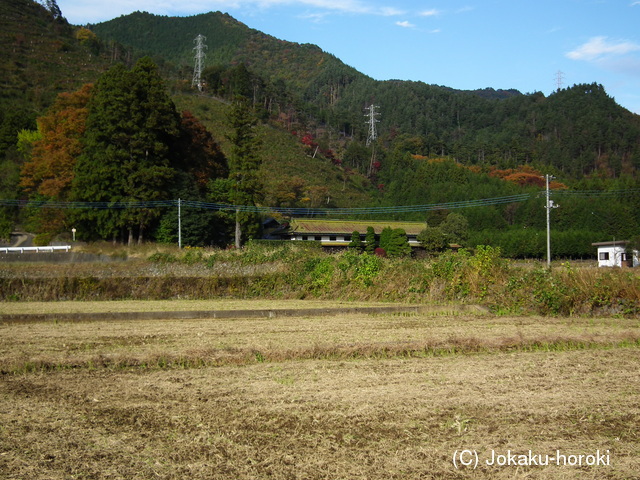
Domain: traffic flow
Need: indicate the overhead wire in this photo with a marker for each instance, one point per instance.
(298, 211)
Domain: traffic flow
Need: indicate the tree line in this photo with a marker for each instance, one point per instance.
(122, 141)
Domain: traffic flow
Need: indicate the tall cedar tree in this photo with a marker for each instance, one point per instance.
(131, 124)
(244, 163)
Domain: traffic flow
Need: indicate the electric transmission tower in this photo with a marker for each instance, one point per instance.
(559, 79)
(372, 119)
(199, 61)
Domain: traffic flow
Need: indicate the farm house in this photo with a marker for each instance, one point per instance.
(615, 254)
(337, 233)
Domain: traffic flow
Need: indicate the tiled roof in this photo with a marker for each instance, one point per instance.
(347, 227)
(618, 243)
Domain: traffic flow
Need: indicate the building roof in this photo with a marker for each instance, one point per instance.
(310, 226)
(620, 243)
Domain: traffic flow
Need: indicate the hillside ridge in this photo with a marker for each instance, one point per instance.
(577, 130)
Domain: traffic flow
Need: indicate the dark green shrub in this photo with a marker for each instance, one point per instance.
(42, 239)
(370, 240)
(395, 242)
(161, 257)
(359, 270)
(355, 242)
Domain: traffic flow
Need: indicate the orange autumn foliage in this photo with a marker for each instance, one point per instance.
(525, 175)
(49, 172)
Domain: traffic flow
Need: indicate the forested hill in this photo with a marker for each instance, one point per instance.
(42, 55)
(281, 64)
(435, 145)
(578, 130)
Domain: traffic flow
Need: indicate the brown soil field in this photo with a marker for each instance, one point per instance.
(345, 397)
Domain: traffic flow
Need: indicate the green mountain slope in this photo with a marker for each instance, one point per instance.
(286, 161)
(171, 38)
(228, 42)
(41, 56)
(47, 56)
(578, 130)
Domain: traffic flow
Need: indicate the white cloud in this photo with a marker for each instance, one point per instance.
(391, 12)
(554, 30)
(344, 6)
(313, 17)
(351, 6)
(83, 11)
(405, 24)
(430, 13)
(598, 48)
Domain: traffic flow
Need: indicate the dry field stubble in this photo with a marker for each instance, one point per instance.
(350, 397)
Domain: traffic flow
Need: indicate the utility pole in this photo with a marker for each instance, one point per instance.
(549, 205)
(372, 134)
(179, 224)
(199, 61)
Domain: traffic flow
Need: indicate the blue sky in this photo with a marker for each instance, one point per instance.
(529, 45)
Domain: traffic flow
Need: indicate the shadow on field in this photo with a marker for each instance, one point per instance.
(250, 313)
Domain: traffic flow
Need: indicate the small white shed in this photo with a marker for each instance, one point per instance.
(614, 254)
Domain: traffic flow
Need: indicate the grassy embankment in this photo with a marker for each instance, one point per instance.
(295, 271)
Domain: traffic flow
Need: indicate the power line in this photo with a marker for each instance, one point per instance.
(314, 211)
(95, 205)
(265, 209)
(598, 193)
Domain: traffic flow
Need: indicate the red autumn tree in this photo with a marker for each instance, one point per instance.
(198, 153)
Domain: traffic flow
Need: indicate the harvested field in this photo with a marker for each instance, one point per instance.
(345, 397)
(127, 306)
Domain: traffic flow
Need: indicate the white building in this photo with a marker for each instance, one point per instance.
(614, 254)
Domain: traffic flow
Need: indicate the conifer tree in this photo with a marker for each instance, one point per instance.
(370, 241)
(395, 242)
(356, 242)
(131, 124)
(244, 162)
(53, 8)
(385, 238)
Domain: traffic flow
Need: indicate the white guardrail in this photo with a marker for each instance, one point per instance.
(48, 249)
